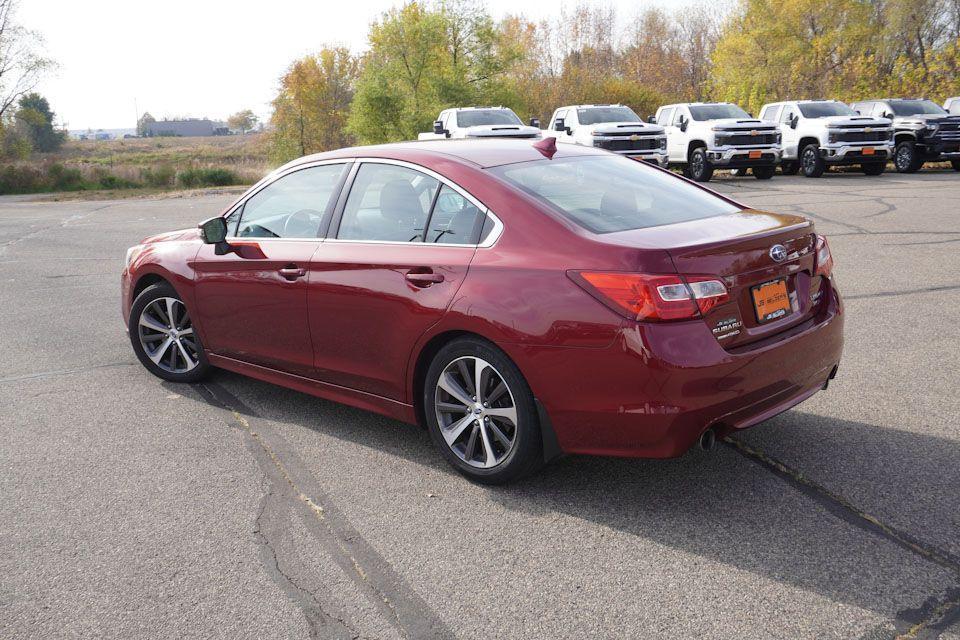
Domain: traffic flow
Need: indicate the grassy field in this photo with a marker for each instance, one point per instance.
(138, 164)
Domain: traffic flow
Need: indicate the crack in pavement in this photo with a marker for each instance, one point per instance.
(937, 612)
(64, 372)
(364, 566)
(62, 223)
(891, 294)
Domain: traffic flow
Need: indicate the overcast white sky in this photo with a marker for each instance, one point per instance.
(204, 57)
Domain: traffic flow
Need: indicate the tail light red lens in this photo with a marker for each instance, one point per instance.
(824, 258)
(640, 296)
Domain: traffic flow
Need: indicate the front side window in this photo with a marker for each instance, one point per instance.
(387, 203)
(561, 115)
(453, 219)
(916, 107)
(606, 194)
(678, 118)
(482, 117)
(716, 111)
(769, 113)
(825, 109)
(597, 115)
(291, 207)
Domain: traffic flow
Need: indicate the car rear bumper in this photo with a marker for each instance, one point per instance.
(660, 386)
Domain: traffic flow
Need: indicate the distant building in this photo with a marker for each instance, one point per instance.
(186, 128)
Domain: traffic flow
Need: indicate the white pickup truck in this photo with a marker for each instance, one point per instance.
(704, 136)
(819, 133)
(480, 122)
(952, 105)
(613, 127)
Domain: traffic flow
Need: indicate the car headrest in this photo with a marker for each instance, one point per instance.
(399, 202)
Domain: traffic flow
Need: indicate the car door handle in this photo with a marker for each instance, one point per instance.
(420, 279)
(292, 272)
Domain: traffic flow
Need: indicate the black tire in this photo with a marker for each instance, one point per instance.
(740, 172)
(699, 166)
(906, 158)
(152, 294)
(811, 163)
(955, 164)
(789, 167)
(525, 455)
(764, 173)
(874, 168)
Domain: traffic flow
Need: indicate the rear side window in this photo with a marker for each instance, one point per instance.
(453, 219)
(291, 207)
(607, 194)
(387, 203)
(665, 116)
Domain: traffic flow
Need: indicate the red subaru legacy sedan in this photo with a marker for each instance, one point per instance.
(519, 301)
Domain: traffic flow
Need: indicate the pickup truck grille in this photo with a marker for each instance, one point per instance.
(626, 144)
(862, 136)
(746, 139)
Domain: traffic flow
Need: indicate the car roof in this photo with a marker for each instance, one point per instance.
(477, 152)
(692, 104)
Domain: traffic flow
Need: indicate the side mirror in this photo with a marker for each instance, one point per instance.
(652, 119)
(794, 121)
(535, 122)
(214, 231)
(887, 115)
(558, 125)
(683, 124)
(438, 128)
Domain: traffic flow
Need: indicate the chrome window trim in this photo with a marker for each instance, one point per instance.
(491, 239)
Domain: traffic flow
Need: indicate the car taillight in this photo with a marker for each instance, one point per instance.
(824, 258)
(640, 296)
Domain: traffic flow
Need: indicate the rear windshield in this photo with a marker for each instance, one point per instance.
(596, 115)
(717, 111)
(915, 107)
(480, 117)
(825, 109)
(604, 194)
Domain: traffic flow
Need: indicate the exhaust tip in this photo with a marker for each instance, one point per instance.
(708, 440)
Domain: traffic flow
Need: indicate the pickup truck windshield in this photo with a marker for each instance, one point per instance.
(717, 111)
(596, 115)
(605, 194)
(825, 109)
(481, 117)
(916, 107)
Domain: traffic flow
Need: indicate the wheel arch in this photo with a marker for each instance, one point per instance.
(904, 136)
(147, 280)
(694, 144)
(550, 446)
(804, 141)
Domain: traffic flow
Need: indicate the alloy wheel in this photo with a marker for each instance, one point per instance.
(904, 157)
(696, 162)
(166, 335)
(809, 159)
(476, 412)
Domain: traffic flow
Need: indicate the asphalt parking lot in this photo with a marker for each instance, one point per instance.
(130, 507)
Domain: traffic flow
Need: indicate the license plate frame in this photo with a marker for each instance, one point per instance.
(771, 300)
(755, 155)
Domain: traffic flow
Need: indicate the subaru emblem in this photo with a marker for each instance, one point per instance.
(778, 252)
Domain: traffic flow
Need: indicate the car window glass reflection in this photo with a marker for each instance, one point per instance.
(605, 194)
(291, 207)
(387, 203)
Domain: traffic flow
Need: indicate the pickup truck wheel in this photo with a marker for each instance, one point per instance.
(873, 168)
(955, 164)
(811, 163)
(789, 167)
(764, 173)
(739, 172)
(700, 168)
(905, 157)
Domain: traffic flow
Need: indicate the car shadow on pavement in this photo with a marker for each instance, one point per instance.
(721, 506)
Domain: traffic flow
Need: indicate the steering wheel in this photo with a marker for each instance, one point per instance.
(304, 223)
